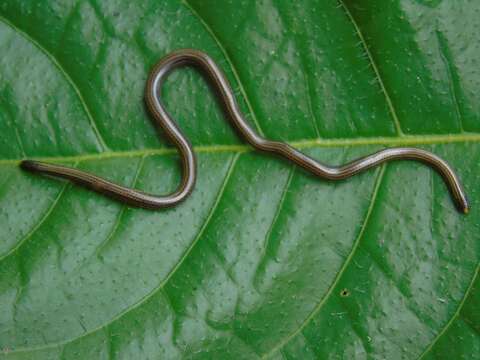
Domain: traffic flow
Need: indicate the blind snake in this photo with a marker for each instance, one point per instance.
(201, 60)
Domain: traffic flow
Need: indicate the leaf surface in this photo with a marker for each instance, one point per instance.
(263, 260)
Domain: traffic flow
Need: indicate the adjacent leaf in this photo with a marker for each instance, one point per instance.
(263, 260)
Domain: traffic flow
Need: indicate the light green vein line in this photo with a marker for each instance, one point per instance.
(450, 70)
(309, 98)
(455, 315)
(66, 76)
(375, 68)
(230, 62)
(406, 140)
(276, 216)
(162, 284)
(20, 142)
(115, 227)
(348, 260)
(37, 226)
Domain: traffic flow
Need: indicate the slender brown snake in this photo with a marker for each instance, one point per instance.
(220, 82)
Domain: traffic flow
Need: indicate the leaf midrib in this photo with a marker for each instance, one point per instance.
(406, 140)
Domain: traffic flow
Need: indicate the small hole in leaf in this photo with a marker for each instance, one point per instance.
(344, 293)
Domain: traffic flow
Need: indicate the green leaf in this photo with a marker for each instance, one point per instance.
(263, 260)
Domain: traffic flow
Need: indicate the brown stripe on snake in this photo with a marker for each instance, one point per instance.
(225, 93)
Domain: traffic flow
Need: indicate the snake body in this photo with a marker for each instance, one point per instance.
(214, 74)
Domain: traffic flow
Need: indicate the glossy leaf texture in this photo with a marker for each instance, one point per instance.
(263, 260)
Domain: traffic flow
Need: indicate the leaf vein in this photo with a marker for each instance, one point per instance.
(348, 260)
(454, 316)
(116, 226)
(280, 207)
(406, 140)
(229, 61)
(37, 226)
(393, 112)
(162, 284)
(67, 77)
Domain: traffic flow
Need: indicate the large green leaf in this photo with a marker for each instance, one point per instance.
(263, 260)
